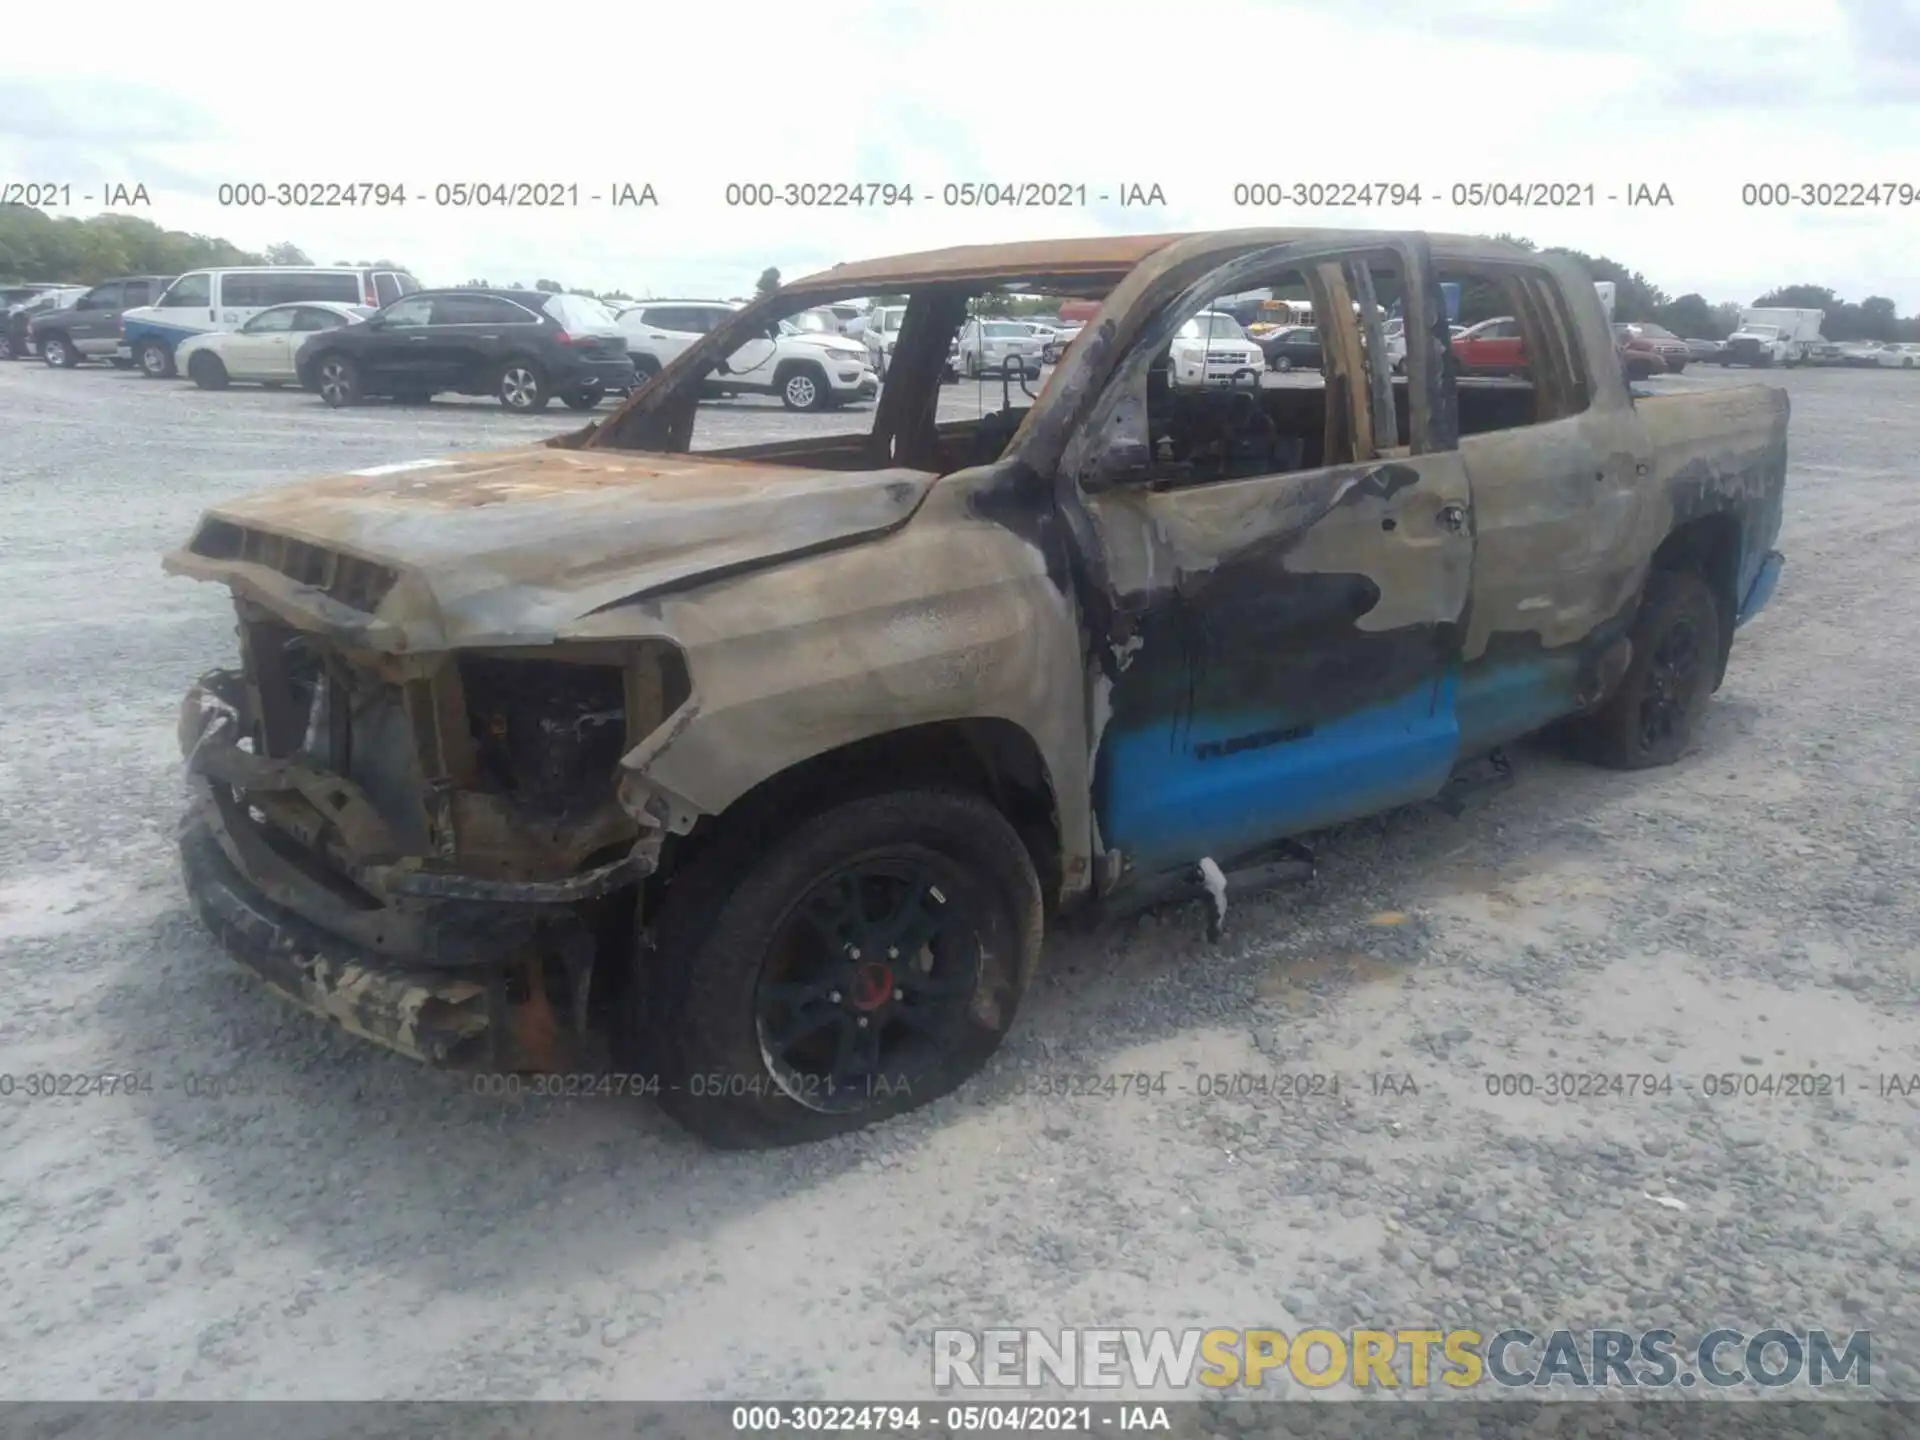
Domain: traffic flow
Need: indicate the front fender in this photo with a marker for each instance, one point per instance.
(954, 617)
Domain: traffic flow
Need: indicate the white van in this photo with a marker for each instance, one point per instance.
(204, 300)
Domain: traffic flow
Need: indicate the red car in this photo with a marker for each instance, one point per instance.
(1644, 339)
(1493, 347)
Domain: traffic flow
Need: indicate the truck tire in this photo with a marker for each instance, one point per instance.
(868, 961)
(58, 351)
(1650, 717)
(156, 360)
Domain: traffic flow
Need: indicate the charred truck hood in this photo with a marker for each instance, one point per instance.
(510, 548)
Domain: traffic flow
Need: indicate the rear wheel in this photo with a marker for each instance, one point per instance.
(156, 360)
(338, 381)
(57, 350)
(207, 372)
(522, 388)
(1651, 716)
(1282, 363)
(866, 963)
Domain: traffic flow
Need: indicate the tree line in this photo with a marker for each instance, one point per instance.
(37, 246)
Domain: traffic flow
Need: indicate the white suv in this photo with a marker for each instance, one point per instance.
(1212, 349)
(883, 331)
(807, 371)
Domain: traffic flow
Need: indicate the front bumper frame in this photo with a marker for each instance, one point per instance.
(447, 969)
(440, 1018)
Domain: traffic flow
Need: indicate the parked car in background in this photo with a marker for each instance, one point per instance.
(810, 367)
(1702, 349)
(13, 297)
(852, 318)
(225, 299)
(658, 331)
(821, 321)
(1859, 353)
(883, 330)
(266, 347)
(1212, 349)
(1063, 335)
(21, 292)
(993, 347)
(89, 327)
(1641, 337)
(1297, 347)
(524, 346)
(1902, 356)
(1493, 347)
(1637, 364)
(16, 337)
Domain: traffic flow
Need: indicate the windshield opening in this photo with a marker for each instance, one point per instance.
(778, 382)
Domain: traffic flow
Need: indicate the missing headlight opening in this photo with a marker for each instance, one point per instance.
(547, 734)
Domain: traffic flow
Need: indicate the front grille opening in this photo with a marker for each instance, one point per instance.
(546, 733)
(220, 540)
(354, 582)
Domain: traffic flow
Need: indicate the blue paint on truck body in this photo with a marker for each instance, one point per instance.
(1181, 788)
(1500, 702)
(1761, 590)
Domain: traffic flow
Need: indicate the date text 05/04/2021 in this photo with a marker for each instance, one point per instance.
(1011, 1418)
(479, 194)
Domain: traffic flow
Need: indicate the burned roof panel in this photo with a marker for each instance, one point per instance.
(1104, 256)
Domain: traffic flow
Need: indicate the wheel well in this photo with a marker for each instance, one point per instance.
(786, 367)
(1710, 548)
(993, 758)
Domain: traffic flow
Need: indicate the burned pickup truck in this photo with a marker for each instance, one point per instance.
(753, 776)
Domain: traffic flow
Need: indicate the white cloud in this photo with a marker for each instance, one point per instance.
(1700, 97)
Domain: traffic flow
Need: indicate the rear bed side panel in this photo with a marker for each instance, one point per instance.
(1723, 452)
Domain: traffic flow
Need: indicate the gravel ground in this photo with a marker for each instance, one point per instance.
(345, 1225)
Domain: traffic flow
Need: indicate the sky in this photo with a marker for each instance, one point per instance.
(1700, 96)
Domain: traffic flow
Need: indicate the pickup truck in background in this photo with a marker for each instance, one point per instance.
(1644, 339)
(1767, 337)
(761, 772)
